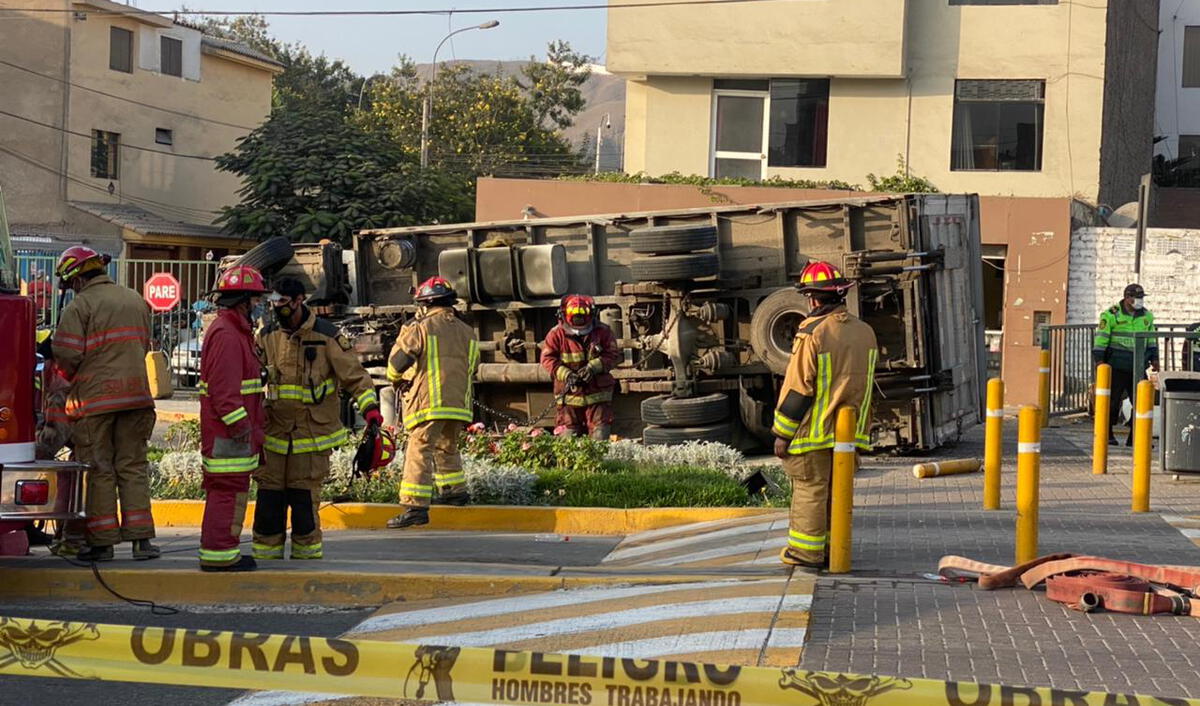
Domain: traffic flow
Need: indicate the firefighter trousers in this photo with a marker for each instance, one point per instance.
(114, 444)
(808, 526)
(431, 457)
(289, 481)
(594, 420)
(224, 512)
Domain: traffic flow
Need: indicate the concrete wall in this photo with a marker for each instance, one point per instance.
(1177, 109)
(862, 38)
(873, 121)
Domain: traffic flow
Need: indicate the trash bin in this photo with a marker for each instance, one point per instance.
(1179, 444)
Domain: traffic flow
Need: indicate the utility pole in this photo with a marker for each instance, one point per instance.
(607, 123)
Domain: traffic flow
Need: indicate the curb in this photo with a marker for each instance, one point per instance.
(508, 518)
(170, 417)
(279, 588)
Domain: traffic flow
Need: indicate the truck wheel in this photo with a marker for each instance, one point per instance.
(773, 327)
(673, 268)
(667, 411)
(670, 240)
(671, 436)
(268, 256)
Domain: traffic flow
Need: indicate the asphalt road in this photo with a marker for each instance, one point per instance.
(36, 691)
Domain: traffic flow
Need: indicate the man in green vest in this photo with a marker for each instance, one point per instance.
(1115, 345)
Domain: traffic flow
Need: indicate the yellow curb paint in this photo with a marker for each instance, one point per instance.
(559, 520)
(170, 417)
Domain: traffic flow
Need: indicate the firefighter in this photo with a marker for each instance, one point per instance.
(308, 362)
(433, 365)
(579, 353)
(231, 419)
(832, 366)
(1113, 345)
(100, 345)
(54, 434)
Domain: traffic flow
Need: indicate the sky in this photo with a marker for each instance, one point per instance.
(371, 44)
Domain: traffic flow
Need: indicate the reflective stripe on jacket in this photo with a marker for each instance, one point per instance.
(231, 400)
(833, 362)
(100, 345)
(1113, 344)
(445, 355)
(564, 353)
(306, 368)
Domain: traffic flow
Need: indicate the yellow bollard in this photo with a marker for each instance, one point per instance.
(1029, 458)
(1143, 422)
(1044, 387)
(933, 469)
(993, 436)
(1103, 426)
(841, 508)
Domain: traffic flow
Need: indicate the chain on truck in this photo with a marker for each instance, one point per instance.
(701, 300)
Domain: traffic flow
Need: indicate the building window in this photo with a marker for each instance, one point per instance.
(799, 122)
(120, 50)
(171, 62)
(1003, 2)
(164, 136)
(106, 154)
(998, 125)
(1191, 57)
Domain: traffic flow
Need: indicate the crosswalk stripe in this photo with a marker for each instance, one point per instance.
(620, 554)
(697, 642)
(743, 548)
(692, 529)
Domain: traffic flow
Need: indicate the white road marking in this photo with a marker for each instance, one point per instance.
(621, 554)
(282, 698)
(699, 642)
(520, 604)
(728, 550)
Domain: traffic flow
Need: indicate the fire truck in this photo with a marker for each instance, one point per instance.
(29, 489)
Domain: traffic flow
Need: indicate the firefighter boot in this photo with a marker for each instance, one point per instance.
(244, 563)
(96, 554)
(143, 550)
(412, 517)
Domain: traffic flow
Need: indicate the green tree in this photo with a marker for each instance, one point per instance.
(552, 86)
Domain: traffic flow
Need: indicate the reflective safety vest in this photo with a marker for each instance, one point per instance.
(230, 396)
(833, 362)
(1113, 344)
(445, 355)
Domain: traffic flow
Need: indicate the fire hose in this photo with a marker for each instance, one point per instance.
(1089, 583)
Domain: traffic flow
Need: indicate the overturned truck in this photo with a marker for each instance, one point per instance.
(701, 300)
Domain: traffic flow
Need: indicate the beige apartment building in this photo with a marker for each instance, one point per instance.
(109, 121)
(1041, 98)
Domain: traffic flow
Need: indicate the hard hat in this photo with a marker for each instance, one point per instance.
(241, 279)
(435, 289)
(578, 313)
(376, 450)
(77, 260)
(820, 276)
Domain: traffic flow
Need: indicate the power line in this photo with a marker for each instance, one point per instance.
(123, 144)
(134, 12)
(122, 98)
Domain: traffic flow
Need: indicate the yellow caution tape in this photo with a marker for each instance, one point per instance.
(236, 660)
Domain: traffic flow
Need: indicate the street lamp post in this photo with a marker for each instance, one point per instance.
(600, 138)
(427, 108)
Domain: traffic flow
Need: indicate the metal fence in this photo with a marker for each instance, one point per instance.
(176, 332)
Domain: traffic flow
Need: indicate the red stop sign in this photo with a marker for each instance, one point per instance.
(161, 291)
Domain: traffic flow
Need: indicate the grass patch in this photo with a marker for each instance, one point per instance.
(627, 486)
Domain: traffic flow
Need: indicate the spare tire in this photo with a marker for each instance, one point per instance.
(269, 256)
(668, 411)
(670, 436)
(674, 268)
(773, 327)
(671, 240)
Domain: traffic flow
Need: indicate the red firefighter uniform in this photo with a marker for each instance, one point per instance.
(587, 406)
(231, 432)
(305, 370)
(100, 345)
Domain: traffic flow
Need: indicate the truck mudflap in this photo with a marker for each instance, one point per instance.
(42, 490)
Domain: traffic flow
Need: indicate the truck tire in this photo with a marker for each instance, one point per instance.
(668, 411)
(773, 326)
(672, 240)
(674, 268)
(670, 436)
(268, 256)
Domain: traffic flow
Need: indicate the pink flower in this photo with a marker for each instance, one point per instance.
(526, 446)
(560, 430)
(537, 432)
(476, 428)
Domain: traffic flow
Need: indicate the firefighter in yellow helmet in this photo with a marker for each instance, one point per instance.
(433, 363)
(832, 366)
(308, 362)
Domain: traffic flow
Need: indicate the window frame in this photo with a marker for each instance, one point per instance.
(714, 154)
(1039, 154)
(827, 97)
(163, 41)
(168, 132)
(1190, 79)
(112, 167)
(113, 32)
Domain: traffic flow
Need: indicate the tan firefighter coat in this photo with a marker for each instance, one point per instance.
(441, 380)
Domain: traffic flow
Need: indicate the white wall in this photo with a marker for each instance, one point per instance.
(1101, 265)
(1176, 109)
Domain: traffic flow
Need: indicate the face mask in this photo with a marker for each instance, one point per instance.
(284, 313)
(1139, 303)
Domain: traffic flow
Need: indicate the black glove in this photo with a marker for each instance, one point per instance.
(585, 375)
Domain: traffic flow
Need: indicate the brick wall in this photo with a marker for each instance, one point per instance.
(1102, 265)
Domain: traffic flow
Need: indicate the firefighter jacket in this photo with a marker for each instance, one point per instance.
(306, 370)
(1114, 345)
(100, 345)
(231, 400)
(833, 363)
(440, 382)
(564, 354)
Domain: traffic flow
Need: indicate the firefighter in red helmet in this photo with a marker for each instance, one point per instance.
(579, 354)
(232, 419)
(832, 366)
(433, 365)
